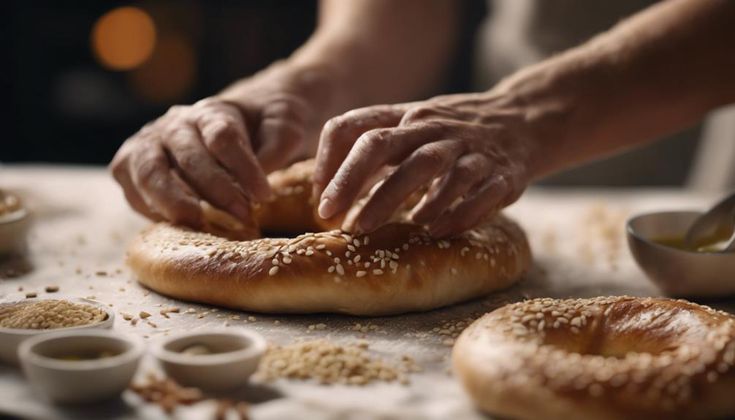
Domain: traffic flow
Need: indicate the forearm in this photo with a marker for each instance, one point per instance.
(384, 50)
(651, 75)
(374, 51)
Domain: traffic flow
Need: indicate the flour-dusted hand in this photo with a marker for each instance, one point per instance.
(472, 150)
(220, 149)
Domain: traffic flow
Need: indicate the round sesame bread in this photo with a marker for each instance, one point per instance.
(601, 358)
(397, 268)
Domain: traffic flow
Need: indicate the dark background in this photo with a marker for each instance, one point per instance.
(63, 105)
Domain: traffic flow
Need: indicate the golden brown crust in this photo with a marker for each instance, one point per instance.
(607, 358)
(398, 268)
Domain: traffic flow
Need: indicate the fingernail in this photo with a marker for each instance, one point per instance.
(326, 208)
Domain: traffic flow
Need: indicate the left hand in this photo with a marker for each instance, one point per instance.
(472, 150)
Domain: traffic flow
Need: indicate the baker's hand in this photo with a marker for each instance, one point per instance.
(218, 149)
(470, 149)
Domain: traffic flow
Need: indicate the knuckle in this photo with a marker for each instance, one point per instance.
(118, 168)
(356, 114)
(174, 132)
(430, 156)
(374, 139)
(464, 172)
(223, 131)
(333, 124)
(418, 113)
(188, 162)
(147, 171)
(176, 110)
(218, 144)
(207, 102)
(336, 127)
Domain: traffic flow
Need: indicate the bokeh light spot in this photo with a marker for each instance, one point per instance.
(123, 38)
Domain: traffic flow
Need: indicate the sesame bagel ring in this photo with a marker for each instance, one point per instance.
(396, 268)
(600, 358)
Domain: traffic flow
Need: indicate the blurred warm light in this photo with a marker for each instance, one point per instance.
(123, 38)
(170, 72)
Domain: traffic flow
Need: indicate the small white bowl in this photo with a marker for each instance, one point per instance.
(80, 381)
(10, 338)
(237, 352)
(13, 231)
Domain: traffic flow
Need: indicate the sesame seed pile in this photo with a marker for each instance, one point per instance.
(666, 379)
(331, 363)
(49, 314)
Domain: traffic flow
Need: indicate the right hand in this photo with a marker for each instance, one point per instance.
(220, 148)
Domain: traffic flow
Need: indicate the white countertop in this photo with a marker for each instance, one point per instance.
(82, 225)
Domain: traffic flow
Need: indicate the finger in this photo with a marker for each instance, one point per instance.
(466, 173)
(202, 172)
(371, 151)
(226, 139)
(471, 211)
(157, 184)
(121, 173)
(281, 134)
(340, 134)
(417, 170)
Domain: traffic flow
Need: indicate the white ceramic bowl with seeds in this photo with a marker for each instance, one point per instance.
(80, 366)
(211, 359)
(11, 338)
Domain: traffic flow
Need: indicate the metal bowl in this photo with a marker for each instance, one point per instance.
(679, 272)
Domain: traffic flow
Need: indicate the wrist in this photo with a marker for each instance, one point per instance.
(544, 113)
(335, 63)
